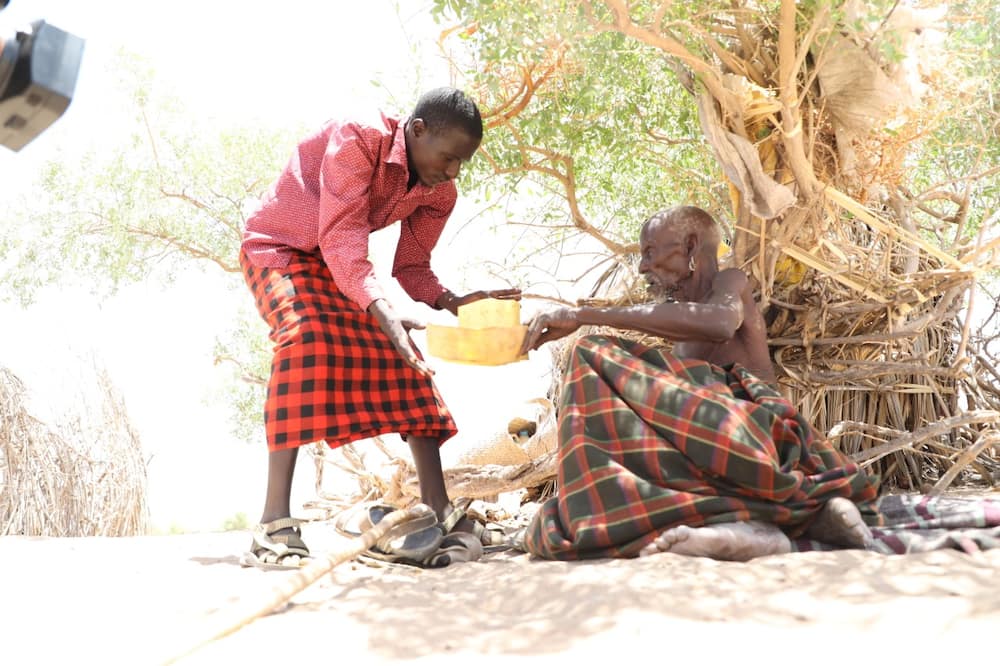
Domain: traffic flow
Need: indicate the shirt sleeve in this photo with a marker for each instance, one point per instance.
(418, 236)
(345, 180)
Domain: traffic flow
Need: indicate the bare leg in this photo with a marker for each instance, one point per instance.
(727, 541)
(430, 476)
(280, 469)
(427, 460)
(839, 523)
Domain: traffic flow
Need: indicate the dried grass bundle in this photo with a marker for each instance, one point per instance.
(83, 476)
(867, 292)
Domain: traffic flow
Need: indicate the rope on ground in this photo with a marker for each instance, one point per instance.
(232, 620)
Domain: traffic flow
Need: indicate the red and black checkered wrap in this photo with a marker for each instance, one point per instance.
(648, 442)
(335, 375)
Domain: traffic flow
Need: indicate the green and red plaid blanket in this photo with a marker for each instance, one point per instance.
(649, 441)
(919, 523)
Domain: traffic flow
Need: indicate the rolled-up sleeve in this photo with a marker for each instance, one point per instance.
(417, 238)
(345, 178)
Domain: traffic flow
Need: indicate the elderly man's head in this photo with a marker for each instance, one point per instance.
(674, 244)
(686, 220)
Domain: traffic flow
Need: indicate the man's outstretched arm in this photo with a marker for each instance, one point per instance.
(715, 320)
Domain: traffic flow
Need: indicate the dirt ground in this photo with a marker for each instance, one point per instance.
(144, 600)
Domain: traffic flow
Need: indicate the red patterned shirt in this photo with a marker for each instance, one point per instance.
(342, 183)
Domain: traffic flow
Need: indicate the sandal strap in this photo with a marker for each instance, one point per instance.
(488, 536)
(263, 542)
(281, 524)
(281, 545)
(455, 513)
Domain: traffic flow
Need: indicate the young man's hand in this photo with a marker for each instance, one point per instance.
(450, 302)
(396, 328)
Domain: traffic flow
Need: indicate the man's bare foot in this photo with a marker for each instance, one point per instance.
(839, 523)
(737, 542)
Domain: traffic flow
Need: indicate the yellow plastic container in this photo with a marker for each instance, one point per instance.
(490, 313)
(489, 332)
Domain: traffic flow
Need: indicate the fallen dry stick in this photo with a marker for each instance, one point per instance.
(232, 620)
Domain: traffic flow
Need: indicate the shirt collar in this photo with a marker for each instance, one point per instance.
(397, 153)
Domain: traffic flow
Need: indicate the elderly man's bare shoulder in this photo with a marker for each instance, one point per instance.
(730, 282)
(733, 278)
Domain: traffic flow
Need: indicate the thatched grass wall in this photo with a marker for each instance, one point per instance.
(81, 476)
(867, 288)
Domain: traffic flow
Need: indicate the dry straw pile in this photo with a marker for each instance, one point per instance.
(867, 287)
(82, 476)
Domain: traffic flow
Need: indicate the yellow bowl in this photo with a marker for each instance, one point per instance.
(489, 313)
(480, 346)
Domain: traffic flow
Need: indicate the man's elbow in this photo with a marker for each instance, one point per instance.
(724, 328)
(412, 273)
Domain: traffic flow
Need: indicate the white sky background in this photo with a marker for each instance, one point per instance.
(282, 63)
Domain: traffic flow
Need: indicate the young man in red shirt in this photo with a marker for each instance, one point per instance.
(344, 366)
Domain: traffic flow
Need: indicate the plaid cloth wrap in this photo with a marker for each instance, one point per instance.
(920, 523)
(649, 442)
(335, 375)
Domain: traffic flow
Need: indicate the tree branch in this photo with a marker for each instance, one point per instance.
(245, 375)
(187, 248)
(791, 116)
(514, 105)
(566, 178)
(202, 206)
(709, 76)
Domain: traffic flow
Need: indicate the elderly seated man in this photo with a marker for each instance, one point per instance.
(691, 452)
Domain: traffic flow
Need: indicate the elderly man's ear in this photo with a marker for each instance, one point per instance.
(693, 244)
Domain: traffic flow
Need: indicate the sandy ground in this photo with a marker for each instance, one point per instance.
(144, 600)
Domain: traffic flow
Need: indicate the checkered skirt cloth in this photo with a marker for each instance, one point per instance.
(649, 441)
(335, 375)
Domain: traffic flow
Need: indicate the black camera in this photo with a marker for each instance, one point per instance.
(38, 69)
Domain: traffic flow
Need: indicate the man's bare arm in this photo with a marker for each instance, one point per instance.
(715, 320)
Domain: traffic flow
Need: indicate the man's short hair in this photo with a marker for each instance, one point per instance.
(687, 220)
(442, 108)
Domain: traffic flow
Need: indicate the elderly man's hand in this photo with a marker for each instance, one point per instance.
(550, 326)
(450, 302)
